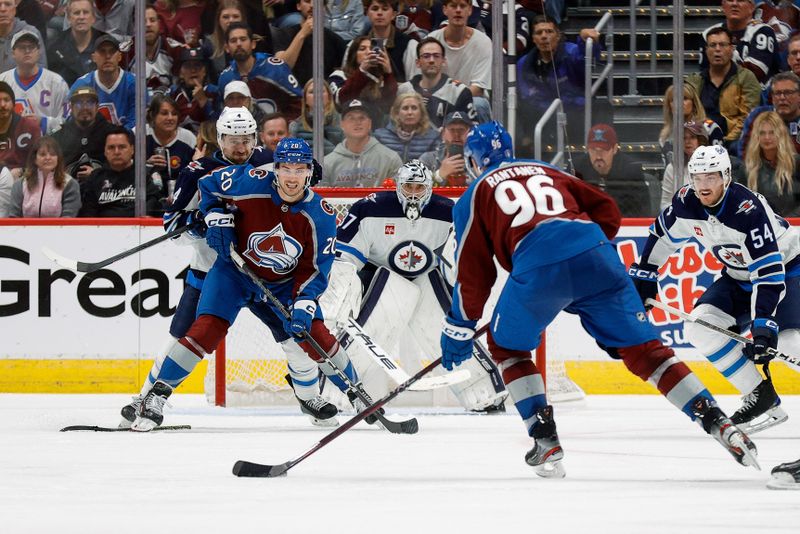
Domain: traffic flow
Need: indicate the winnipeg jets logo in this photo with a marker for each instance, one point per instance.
(273, 250)
(746, 207)
(730, 255)
(410, 258)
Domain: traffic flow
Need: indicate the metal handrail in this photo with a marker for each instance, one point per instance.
(555, 106)
(590, 89)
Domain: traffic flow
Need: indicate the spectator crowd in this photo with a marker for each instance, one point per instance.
(402, 80)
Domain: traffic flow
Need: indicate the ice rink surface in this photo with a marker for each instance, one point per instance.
(634, 465)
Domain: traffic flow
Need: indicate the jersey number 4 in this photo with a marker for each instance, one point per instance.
(537, 196)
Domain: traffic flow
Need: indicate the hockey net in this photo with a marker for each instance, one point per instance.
(249, 367)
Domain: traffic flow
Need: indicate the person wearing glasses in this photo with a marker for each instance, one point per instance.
(785, 96)
(728, 92)
(442, 94)
(755, 43)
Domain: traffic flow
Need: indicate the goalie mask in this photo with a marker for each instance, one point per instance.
(487, 145)
(236, 134)
(708, 160)
(414, 188)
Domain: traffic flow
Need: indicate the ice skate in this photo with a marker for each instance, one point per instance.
(546, 454)
(760, 409)
(717, 424)
(498, 406)
(360, 407)
(151, 412)
(129, 411)
(320, 411)
(785, 476)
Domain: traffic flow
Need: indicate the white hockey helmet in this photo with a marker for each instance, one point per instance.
(236, 121)
(709, 159)
(414, 172)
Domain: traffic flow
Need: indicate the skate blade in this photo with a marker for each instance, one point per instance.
(550, 469)
(782, 481)
(143, 425)
(749, 456)
(770, 418)
(326, 423)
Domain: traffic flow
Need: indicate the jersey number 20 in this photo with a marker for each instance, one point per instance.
(537, 196)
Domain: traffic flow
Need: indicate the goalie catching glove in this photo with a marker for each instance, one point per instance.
(456, 341)
(221, 232)
(645, 280)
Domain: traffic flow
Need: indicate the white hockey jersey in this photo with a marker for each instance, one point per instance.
(757, 247)
(376, 231)
(45, 97)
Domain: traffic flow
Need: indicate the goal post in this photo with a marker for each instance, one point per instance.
(248, 368)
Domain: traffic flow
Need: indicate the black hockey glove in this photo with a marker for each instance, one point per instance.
(765, 336)
(645, 280)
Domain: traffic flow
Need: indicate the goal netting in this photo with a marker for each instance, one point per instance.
(249, 367)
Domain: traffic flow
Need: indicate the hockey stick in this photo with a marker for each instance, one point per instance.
(352, 332)
(89, 428)
(84, 267)
(402, 427)
(737, 337)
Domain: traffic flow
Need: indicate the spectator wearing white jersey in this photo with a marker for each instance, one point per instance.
(10, 26)
(40, 93)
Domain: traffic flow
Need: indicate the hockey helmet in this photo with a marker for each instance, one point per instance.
(487, 144)
(414, 199)
(710, 159)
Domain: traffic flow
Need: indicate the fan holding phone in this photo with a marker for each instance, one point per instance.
(448, 159)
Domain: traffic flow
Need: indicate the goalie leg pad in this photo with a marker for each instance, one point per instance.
(343, 294)
(303, 370)
(485, 388)
(789, 343)
(724, 353)
(657, 364)
(388, 305)
(523, 380)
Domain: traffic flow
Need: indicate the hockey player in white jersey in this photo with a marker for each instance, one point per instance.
(389, 238)
(759, 287)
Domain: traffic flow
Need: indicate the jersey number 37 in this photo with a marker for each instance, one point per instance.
(537, 196)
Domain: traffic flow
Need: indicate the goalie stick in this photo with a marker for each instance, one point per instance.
(86, 267)
(352, 332)
(725, 332)
(409, 426)
(89, 428)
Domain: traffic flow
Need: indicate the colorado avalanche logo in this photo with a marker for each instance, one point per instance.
(410, 258)
(730, 255)
(273, 250)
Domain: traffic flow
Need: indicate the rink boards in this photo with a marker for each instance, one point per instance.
(67, 332)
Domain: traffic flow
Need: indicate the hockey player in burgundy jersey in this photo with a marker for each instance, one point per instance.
(552, 233)
(287, 234)
(233, 123)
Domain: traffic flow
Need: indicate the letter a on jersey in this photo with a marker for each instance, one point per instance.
(273, 250)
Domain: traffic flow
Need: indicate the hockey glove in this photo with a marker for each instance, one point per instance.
(765, 336)
(645, 280)
(303, 311)
(221, 232)
(195, 218)
(456, 341)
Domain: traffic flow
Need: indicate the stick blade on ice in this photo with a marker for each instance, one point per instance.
(243, 468)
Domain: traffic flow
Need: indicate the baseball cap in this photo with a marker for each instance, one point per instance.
(602, 136)
(5, 88)
(192, 54)
(696, 128)
(84, 90)
(24, 34)
(106, 38)
(236, 86)
(354, 105)
(456, 116)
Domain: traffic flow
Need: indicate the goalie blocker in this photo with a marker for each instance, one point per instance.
(403, 317)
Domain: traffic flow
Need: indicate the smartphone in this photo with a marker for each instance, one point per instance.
(377, 44)
(454, 149)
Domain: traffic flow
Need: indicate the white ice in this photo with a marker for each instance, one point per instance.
(634, 465)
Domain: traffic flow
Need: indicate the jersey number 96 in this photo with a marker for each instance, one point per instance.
(537, 196)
